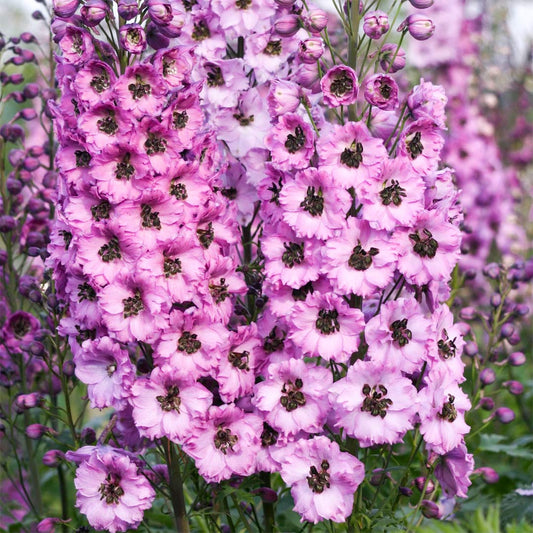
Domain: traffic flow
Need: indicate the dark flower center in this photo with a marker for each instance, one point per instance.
(219, 292)
(341, 85)
(385, 89)
(101, 82)
(446, 346)
(111, 368)
(400, 333)
(139, 89)
(86, 292)
(240, 360)
(188, 4)
(83, 158)
(169, 67)
(133, 305)
(20, 326)
(269, 436)
(201, 31)
(292, 397)
(327, 322)
(215, 77)
(178, 190)
(392, 194)
(273, 48)
(67, 237)
(134, 36)
(361, 259)
(224, 439)
(275, 189)
(77, 44)
(272, 342)
(180, 119)
(124, 169)
(101, 211)
(171, 266)
(449, 412)
(155, 144)
(172, 401)
(299, 295)
(150, 219)
(353, 156)
(110, 251)
(84, 335)
(243, 4)
(293, 254)
(319, 481)
(76, 106)
(425, 246)
(243, 119)
(110, 490)
(375, 401)
(295, 142)
(229, 192)
(415, 146)
(206, 236)
(189, 343)
(108, 124)
(313, 202)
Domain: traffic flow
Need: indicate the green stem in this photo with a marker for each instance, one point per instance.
(176, 488)
(268, 507)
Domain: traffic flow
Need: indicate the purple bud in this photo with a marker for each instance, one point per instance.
(88, 436)
(376, 24)
(267, 494)
(17, 96)
(287, 25)
(37, 349)
(316, 20)
(419, 483)
(36, 431)
(514, 387)
(390, 63)
(27, 114)
(31, 90)
(128, 9)
(430, 509)
(3, 257)
(517, 359)
(310, 50)
(471, 348)
(7, 223)
(507, 330)
(522, 310)
(28, 401)
(487, 404)
(93, 12)
(487, 376)
(12, 132)
(470, 274)
(132, 38)
(65, 8)
(419, 26)
(16, 79)
(49, 94)
(496, 300)
(69, 367)
(28, 37)
(489, 475)
(514, 339)
(283, 97)
(225, 528)
(16, 157)
(492, 270)
(421, 4)
(31, 164)
(406, 491)
(13, 185)
(37, 15)
(28, 56)
(504, 415)
(53, 458)
(155, 38)
(48, 525)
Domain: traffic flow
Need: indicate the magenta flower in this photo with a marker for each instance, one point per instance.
(399, 335)
(291, 143)
(225, 80)
(381, 91)
(133, 38)
(110, 491)
(339, 86)
(94, 82)
(453, 471)
(374, 403)
(323, 479)
(428, 101)
(292, 396)
(227, 444)
(351, 154)
(77, 46)
(421, 142)
(325, 326)
(359, 260)
(376, 24)
(168, 405)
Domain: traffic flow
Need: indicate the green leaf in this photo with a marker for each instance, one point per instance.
(497, 444)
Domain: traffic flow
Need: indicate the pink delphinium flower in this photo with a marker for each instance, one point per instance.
(225, 80)
(323, 479)
(111, 492)
(324, 325)
(339, 86)
(94, 82)
(421, 142)
(428, 101)
(292, 396)
(374, 403)
(291, 143)
(77, 45)
(360, 260)
(399, 335)
(381, 91)
(168, 405)
(227, 443)
(453, 471)
(312, 205)
(351, 154)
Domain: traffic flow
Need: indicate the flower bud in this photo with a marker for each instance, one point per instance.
(28, 401)
(88, 436)
(93, 12)
(406, 491)
(492, 270)
(65, 8)
(376, 24)
(487, 404)
(7, 223)
(132, 38)
(420, 482)
(37, 15)
(522, 310)
(392, 58)
(48, 525)
(515, 387)
(287, 25)
(36, 431)
(507, 330)
(487, 376)
(12, 132)
(316, 20)
(267, 494)
(496, 300)
(430, 509)
(68, 368)
(27, 37)
(310, 50)
(517, 359)
(419, 26)
(504, 415)
(128, 9)
(53, 458)
(421, 4)
(283, 97)
(31, 90)
(13, 185)
(160, 11)
(489, 475)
